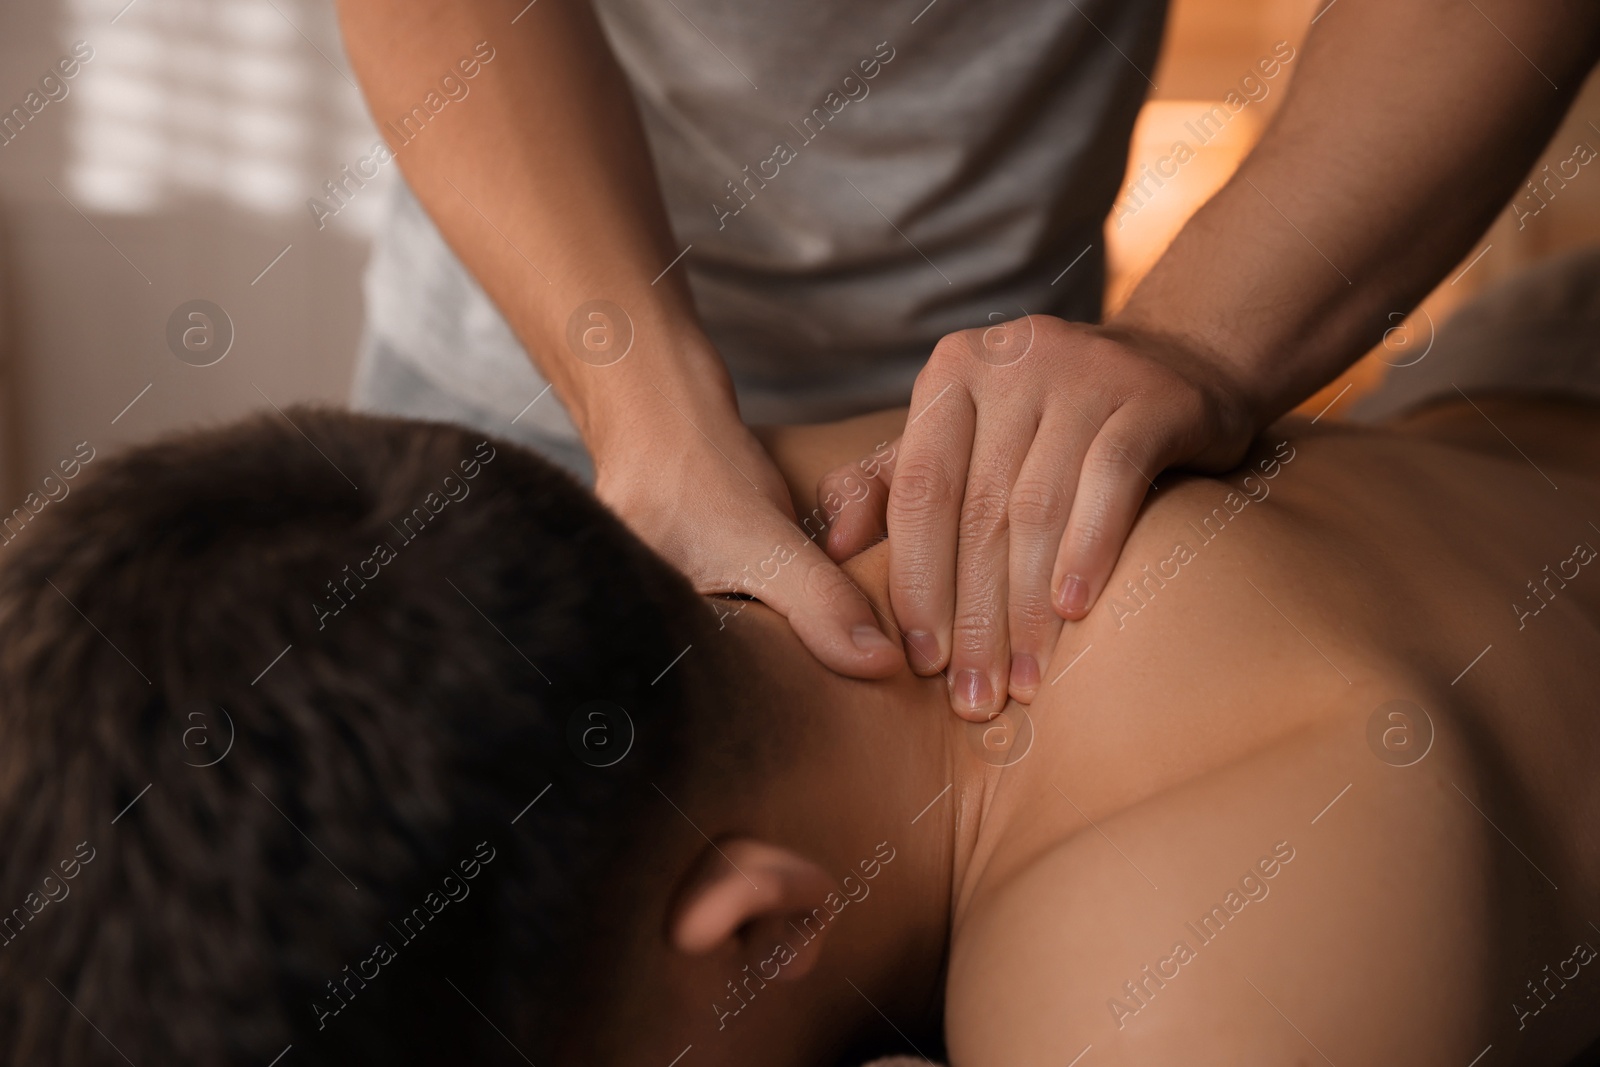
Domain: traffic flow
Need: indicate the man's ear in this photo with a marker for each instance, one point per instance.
(745, 897)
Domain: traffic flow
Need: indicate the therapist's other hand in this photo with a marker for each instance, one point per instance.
(1028, 449)
(712, 503)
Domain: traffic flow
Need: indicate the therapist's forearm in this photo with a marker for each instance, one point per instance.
(548, 149)
(541, 182)
(1407, 127)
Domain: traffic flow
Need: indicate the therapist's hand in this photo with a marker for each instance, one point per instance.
(709, 499)
(556, 237)
(1027, 451)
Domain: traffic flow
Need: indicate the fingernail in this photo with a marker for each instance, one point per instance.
(971, 689)
(925, 650)
(1024, 672)
(1074, 595)
(870, 639)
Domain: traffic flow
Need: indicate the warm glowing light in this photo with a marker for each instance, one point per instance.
(1182, 152)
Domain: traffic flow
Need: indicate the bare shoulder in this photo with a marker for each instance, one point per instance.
(1244, 862)
(1316, 901)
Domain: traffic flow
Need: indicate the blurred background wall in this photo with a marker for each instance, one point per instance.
(178, 165)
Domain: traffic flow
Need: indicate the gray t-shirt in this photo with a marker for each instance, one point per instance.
(855, 180)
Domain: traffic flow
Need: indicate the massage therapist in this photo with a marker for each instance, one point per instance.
(651, 222)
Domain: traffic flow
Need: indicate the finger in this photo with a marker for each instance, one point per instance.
(980, 652)
(1116, 476)
(855, 498)
(930, 478)
(831, 616)
(1041, 500)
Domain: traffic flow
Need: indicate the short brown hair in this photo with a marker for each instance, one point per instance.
(217, 911)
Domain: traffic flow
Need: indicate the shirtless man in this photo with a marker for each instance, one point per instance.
(1316, 785)
(1267, 813)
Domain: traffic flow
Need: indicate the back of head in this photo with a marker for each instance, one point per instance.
(272, 714)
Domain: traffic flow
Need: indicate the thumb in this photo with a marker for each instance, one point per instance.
(828, 612)
(856, 497)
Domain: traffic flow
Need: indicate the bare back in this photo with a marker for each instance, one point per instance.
(1319, 784)
(1315, 780)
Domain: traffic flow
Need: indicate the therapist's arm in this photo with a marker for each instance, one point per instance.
(540, 180)
(1408, 125)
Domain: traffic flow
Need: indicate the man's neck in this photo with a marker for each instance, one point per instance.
(904, 765)
(877, 763)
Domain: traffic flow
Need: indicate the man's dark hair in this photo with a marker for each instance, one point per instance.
(242, 745)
